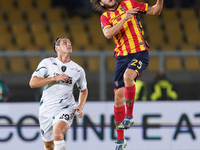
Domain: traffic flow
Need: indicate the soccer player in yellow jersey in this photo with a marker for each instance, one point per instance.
(120, 20)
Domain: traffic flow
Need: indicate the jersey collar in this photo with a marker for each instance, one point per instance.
(115, 8)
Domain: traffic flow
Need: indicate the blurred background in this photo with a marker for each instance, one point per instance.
(29, 27)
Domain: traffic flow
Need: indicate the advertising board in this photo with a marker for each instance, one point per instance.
(158, 126)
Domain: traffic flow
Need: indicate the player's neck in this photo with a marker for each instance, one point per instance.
(64, 59)
(114, 7)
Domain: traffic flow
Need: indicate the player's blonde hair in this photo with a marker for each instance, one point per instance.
(97, 6)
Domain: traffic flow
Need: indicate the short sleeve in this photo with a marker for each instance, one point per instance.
(104, 21)
(41, 70)
(142, 6)
(81, 82)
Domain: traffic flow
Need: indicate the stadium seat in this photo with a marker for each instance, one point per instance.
(193, 38)
(95, 30)
(173, 64)
(25, 4)
(169, 14)
(6, 39)
(3, 28)
(43, 4)
(192, 63)
(38, 27)
(31, 48)
(110, 63)
(76, 47)
(42, 40)
(94, 17)
(174, 33)
(2, 17)
(109, 47)
(34, 15)
(91, 47)
(154, 47)
(93, 63)
(169, 47)
(53, 15)
(13, 48)
(18, 65)
(33, 63)
(155, 34)
(15, 16)
(172, 26)
(97, 35)
(79, 61)
(187, 47)
(77, 30)
(192, 30)
(48, 48)
(6, 4)
(23, 39)
(153, 63)
(188, 14)
(153, 30)
(3, 65)
(58, 29)
(19, 28)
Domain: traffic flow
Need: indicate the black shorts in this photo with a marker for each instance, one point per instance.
(136, 61)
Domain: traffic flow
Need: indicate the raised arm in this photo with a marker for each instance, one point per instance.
(111, 31)
(155, 9)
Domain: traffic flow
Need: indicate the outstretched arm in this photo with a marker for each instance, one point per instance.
(82, 99)
(155, 9)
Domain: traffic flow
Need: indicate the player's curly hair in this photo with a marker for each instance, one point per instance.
(97, 6)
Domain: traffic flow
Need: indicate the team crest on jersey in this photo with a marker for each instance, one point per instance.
(63, 68)
(122, 9)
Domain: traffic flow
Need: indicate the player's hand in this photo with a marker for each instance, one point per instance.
(80, 113)
(61, 77)
(131, 12)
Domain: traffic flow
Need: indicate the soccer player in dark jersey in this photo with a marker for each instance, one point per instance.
(120, 20)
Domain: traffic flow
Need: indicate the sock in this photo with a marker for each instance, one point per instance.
(119, 113)
(129, 97)
(59, 145)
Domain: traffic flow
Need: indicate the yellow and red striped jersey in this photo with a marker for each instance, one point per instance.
(130, 38)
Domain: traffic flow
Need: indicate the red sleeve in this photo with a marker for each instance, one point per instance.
(142, 6)
(104, 21)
